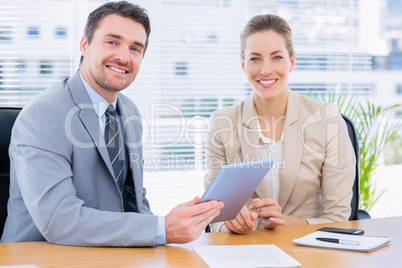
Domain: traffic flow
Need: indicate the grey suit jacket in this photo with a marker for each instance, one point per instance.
(318, 158)
(62, 186)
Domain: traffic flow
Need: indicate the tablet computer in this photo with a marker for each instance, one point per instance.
(234, 184)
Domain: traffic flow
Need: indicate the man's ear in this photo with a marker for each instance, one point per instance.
(83, 45)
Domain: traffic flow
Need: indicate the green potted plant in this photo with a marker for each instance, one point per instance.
(375, 125)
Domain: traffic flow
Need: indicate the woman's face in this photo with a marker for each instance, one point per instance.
(266, 64)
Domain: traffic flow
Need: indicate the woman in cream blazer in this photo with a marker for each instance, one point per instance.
(311, 181)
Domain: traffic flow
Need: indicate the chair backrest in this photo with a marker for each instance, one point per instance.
(354, 204)
(7, 119)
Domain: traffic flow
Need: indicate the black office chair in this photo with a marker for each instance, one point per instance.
(356, 213)
(7, 119)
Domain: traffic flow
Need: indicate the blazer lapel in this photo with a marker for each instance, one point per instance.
(133, 141)
(88, 117)
(292, 149)
(250, 142)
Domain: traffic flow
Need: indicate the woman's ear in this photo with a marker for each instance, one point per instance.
(242, 64)
(292, 63)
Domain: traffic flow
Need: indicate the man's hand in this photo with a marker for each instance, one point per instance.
(243, 221)
(270, 212)
(187, 221)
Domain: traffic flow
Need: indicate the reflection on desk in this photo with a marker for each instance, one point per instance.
(44, 254)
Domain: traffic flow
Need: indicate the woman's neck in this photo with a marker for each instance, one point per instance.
(272, 108)
(271, 115)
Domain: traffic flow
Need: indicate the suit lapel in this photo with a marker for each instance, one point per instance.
(250, 142)
(88, 117)
(248, 131)
(132, 137)
(292, 149)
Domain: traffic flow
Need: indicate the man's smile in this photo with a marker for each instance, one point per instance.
(119, 70)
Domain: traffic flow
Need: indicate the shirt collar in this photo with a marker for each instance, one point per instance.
(99, 103)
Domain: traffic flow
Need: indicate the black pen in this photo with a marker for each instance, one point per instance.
(339, 241)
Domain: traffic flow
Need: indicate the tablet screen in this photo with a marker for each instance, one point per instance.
(234, 184)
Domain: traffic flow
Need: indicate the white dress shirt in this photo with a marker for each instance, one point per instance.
(273, 150)
(100, 106)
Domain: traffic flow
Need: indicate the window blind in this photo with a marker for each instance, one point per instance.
(192, 67)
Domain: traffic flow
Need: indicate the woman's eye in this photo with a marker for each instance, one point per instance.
(254, 59)
(278, 57)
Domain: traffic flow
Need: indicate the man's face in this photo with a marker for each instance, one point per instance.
(113, 58)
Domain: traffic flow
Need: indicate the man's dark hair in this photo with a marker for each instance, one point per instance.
(121, 8)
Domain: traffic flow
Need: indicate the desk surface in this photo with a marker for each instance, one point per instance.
(44, 254)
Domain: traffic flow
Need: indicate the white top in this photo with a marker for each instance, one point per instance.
(273, 150)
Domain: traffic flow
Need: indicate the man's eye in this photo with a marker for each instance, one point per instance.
(111, 42)
(135, 49)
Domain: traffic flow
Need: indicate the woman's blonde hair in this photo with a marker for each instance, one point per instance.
(268, 22)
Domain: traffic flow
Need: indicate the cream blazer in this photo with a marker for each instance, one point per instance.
(318, 164)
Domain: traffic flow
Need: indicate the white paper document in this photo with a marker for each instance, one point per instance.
(245, 256)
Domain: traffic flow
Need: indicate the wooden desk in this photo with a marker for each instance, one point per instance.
(44, 254)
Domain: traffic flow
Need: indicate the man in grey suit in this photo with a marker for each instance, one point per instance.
(68, 184)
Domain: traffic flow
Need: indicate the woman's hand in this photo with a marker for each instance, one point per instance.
(270, 212)
(243, 222)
